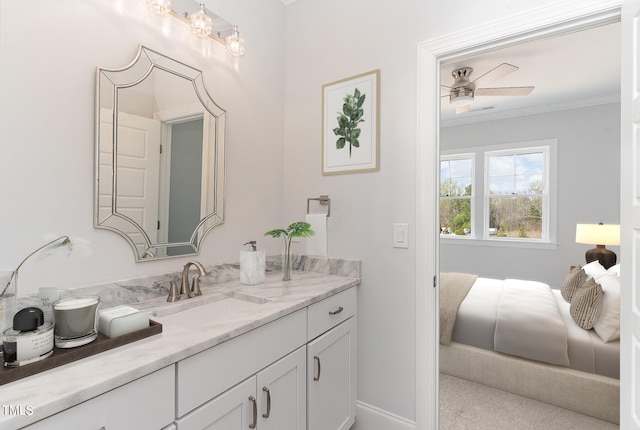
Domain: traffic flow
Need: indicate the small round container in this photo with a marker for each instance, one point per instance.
(76, 321)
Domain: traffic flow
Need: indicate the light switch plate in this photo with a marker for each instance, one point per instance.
(400, 235)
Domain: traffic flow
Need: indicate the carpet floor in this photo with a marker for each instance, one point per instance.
(466, 405)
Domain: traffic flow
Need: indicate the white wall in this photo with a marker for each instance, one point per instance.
(588, 189)
(333, 39)
(47, 94)
(326, 41)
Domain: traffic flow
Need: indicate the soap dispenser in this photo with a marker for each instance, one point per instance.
(252, 265)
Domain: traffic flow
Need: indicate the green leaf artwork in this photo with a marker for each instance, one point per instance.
(348, 120)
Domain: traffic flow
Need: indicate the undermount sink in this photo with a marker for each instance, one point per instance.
(218, 307)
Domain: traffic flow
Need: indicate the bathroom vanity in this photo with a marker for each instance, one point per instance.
(278, 355)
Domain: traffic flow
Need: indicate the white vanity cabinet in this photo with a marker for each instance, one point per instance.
(331, 363)
(273, 399)
(213, 389)
(146, 403)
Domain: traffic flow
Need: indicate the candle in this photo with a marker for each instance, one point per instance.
(75, 321)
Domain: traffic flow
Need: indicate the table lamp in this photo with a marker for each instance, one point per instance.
(600, 235)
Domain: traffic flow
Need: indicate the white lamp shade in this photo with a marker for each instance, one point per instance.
(598, 234)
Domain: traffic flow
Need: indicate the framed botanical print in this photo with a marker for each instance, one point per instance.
(350, 124)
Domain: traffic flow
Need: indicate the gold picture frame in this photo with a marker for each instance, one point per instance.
(350, 124)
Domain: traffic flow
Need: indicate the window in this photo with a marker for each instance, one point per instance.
(456, 192)
(503, 194)
(516, 181)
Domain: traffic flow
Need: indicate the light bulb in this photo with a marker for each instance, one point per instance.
(161, 7)
(200, 23)
(234, 43)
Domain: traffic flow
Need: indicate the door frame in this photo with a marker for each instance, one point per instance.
(540, 22)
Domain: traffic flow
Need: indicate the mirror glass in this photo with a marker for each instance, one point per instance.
(159, 156)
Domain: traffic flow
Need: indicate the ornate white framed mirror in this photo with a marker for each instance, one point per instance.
(159, 159)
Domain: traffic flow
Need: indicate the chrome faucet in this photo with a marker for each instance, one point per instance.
(195, 285)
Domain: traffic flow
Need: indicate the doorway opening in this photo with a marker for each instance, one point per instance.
(432, 55)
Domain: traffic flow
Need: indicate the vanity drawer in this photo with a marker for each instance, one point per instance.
(324, 315)
(146, 403)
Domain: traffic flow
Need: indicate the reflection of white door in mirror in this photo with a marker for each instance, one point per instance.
(138, 158)
(137, 186)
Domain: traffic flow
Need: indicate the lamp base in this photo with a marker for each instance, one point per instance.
(605, 256)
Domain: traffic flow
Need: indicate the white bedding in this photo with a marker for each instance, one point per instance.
(482, 322)
(529, 324)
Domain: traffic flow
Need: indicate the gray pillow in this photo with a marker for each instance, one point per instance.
(572, 282)
(586, 304)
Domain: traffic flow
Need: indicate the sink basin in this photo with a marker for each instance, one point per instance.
(225, 310)
(215, 305)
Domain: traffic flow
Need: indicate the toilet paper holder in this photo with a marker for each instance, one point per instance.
(323, 200)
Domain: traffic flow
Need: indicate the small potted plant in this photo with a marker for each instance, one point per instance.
(296, 229)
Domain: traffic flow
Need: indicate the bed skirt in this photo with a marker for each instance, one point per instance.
(590, 394)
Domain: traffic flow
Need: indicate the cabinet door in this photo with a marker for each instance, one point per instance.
(282, 396)
(331, 379)
(235, 409)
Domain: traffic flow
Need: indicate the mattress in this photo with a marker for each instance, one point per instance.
(476, 326)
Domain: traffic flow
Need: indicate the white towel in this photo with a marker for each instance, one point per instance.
(317, 244)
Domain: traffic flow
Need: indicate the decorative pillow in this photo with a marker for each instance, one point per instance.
(586, 304)
(614, 270)
(594, 270)
(572, 282)
(608, 325)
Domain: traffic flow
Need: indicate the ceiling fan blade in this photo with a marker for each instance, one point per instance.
(505, 91)
(445, 90)
(493, 74)
(462, 108)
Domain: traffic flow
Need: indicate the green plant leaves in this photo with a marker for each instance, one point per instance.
(276, 233)
(348, 120)
(300, 229)
(296, 229)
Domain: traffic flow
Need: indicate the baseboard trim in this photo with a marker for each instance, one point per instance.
(371, 418)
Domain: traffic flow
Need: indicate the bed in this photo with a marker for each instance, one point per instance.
(560, 346)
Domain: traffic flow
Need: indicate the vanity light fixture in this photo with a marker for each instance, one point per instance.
(200, 22)
(234, 43)
(160, 7)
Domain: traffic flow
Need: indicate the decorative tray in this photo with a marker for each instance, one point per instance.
(62, 356)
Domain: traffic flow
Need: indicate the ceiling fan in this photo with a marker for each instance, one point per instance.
(463, 90)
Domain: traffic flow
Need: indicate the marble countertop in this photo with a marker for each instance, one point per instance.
(52, 391)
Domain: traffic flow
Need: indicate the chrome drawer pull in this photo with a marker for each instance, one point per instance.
(317, 360)
(337, 311)
(266, 390)
(255, 412)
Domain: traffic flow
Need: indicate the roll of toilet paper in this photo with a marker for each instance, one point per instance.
(317, 244)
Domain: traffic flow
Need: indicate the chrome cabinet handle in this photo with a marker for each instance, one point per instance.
(266, 414)
(337, 311)
(255, 412)
(317, 360)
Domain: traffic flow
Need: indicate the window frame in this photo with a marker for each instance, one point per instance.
(480, 195)
(463, 156)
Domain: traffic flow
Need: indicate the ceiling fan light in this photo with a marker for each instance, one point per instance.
(460, 96)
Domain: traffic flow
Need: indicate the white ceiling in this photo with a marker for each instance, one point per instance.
(573, 70)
